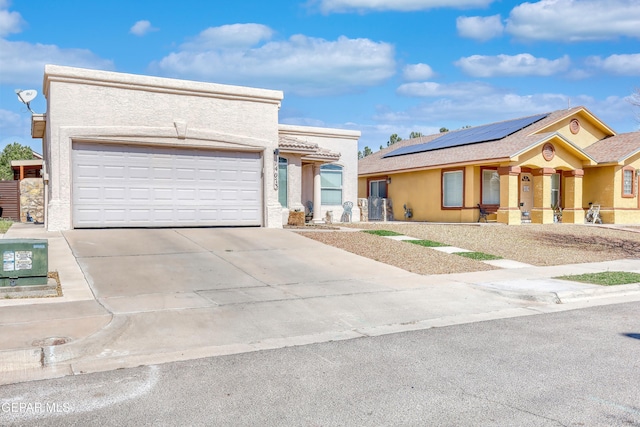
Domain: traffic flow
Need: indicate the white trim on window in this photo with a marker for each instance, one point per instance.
(452, 189)
(331, 184)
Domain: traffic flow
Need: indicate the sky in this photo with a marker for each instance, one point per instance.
(381, 67)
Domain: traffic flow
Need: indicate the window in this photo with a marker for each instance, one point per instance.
(452, 189)
(627, 182)
(331, 184)
(555, 190)
(490, 187)
(282, 181)
(378, 189)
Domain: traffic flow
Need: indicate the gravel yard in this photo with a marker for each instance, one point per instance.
(551, 244)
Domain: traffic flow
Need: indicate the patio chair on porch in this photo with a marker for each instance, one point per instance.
(593, 214)
(346, 215)
(483, 213)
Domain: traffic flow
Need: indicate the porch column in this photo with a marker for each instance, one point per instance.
(509, 211)
(573, 212)
(317, 195)
(541, 213)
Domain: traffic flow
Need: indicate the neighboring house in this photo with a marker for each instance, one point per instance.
(123, 150)
(522, 168)
(27, 168)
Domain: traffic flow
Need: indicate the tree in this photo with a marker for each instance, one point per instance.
(443, 130)
(11, 152)
(415, 135)
(367, 152)
(393, 139)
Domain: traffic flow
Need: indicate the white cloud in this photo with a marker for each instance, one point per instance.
(10, 22)
(328, 6)
(523, 64)
(142, 28)
(229, 36)
(575, 20)
(488, 107)
(457, 90)
(479, 27)
(301, 64)
(417, 72)
(622, 65)
(23, 63)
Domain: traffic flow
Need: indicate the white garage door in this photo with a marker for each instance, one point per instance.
(125, 186)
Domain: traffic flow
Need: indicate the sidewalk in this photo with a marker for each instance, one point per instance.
(79, 333)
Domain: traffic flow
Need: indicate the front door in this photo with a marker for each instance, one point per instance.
(526, 195)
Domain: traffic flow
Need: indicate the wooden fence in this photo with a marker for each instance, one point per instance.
(10, 200)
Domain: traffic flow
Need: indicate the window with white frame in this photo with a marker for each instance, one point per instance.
(452, 189)
(490, 187)
(331, 184)
(627, 182)
(555, 190)
(282, 181)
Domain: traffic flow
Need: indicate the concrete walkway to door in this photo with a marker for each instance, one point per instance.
(146, 296)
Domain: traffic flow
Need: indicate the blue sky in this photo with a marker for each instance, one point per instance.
(377, 66)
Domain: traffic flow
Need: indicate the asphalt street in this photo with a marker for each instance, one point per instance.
(579, 367)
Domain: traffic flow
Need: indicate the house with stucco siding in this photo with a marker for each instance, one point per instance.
(125, 150)
(530, 169)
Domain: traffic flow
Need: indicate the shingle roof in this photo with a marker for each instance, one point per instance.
(616, 148)
(503, 148)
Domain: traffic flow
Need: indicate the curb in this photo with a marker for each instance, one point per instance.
(21, 359)
(604, 292)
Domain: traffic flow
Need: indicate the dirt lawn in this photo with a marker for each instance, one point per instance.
(551, 244)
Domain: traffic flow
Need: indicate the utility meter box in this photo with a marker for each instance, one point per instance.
(24, 262)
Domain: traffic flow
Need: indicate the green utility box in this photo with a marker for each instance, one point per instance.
(25, 262)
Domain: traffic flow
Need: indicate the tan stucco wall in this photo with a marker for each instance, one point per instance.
(563, 159)
(588, 134)
(421, 191)
(598, 186)
(362, 188)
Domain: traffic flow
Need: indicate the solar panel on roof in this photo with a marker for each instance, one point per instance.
(484, 133)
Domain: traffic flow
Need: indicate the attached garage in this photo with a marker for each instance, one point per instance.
(150, 186)
(127, 150)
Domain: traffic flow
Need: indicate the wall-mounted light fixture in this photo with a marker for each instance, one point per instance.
(388, 180)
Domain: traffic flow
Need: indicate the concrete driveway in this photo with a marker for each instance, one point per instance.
(182, 293)
(161, 295)
(221, 265)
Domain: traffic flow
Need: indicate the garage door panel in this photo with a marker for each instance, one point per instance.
(122, 186)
